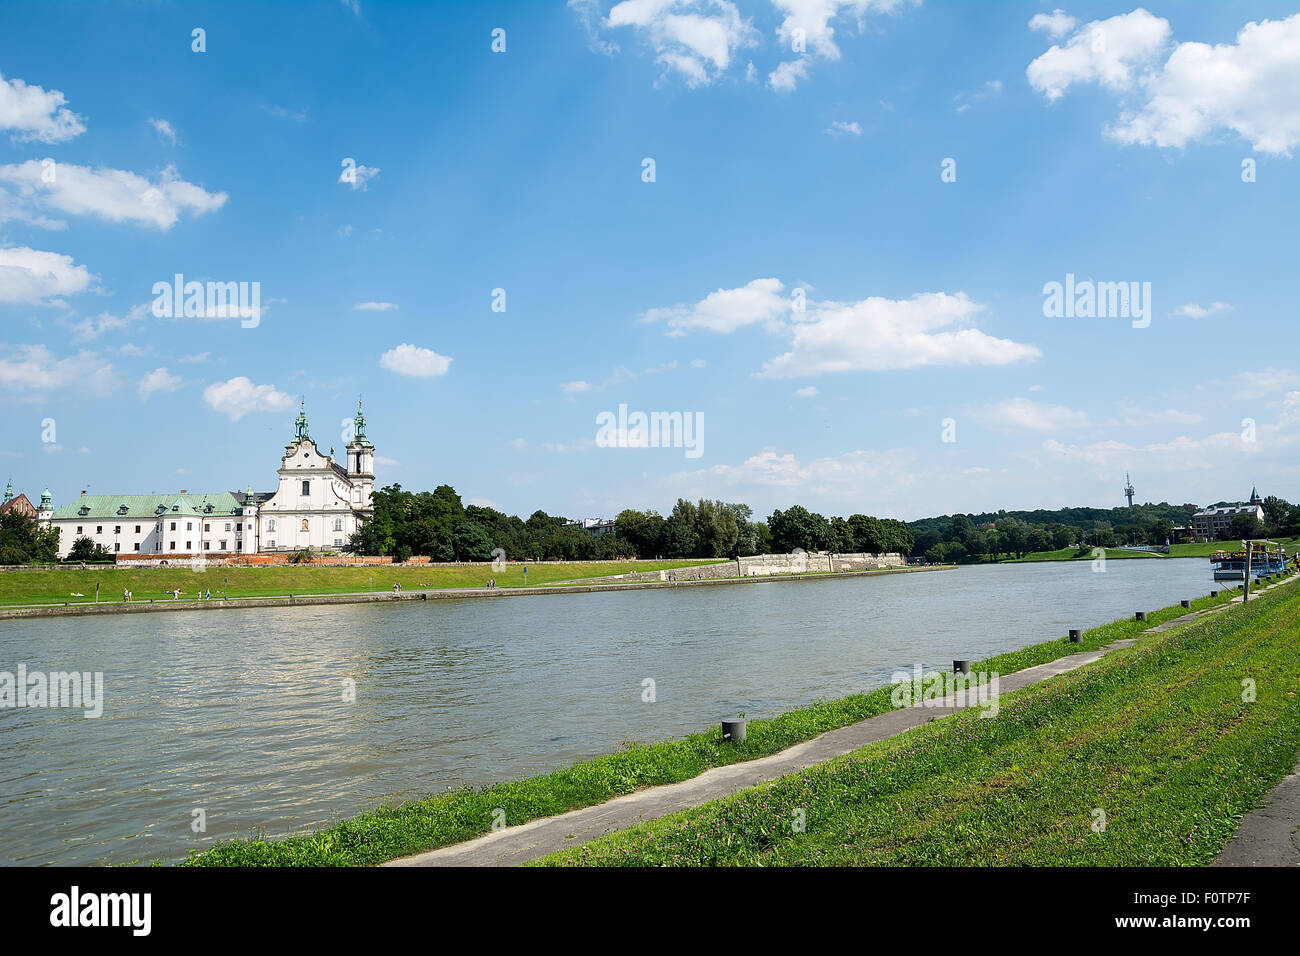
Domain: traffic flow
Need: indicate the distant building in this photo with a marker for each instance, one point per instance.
(318, 504)
(596, 527)
(1215, 523)
(18, 504)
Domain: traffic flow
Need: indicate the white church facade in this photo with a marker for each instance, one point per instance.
(318, 505)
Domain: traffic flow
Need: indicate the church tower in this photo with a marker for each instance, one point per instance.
(361, 463)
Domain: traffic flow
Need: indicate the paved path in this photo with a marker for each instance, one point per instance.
(1270, 834)
(538, 838)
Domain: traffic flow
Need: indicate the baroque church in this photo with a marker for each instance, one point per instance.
(317, 504)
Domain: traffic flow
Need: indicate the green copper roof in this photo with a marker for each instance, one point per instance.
(146, 507)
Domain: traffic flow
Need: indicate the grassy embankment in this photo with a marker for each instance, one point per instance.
(1198, 549)
(1157, 737)
(394, 831)
(36, 586)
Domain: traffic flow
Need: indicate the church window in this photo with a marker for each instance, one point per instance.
(270, 525)
(306, 487)
(338, 525)
(304, 524)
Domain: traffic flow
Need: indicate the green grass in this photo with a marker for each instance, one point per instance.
(1156, 736)
(1199, 549)
(39, 586)
(393, 831)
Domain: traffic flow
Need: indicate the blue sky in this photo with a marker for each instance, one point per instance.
(799, 150)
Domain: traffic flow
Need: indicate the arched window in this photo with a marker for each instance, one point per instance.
(338, 524)
(304, 524)
(270, 524)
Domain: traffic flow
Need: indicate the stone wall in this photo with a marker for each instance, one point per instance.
(765, 565)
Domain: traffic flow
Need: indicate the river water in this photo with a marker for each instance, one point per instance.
(241, 714)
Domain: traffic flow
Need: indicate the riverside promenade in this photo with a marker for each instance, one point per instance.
(423, 594)
(1266, 837)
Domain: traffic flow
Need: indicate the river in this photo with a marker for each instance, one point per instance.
(241, 714)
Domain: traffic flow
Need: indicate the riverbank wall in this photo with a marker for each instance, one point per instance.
(434, 594)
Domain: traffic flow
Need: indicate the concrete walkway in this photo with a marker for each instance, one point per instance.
(1270, 834)
(541, 837)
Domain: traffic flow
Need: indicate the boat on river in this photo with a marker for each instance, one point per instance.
(1265, 558)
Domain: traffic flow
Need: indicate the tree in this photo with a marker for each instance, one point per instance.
(1276, 511)
(679, 537)
(1244, 525)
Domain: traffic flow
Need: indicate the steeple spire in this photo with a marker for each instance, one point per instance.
(9, 489)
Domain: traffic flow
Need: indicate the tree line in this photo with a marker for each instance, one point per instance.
(437, 524)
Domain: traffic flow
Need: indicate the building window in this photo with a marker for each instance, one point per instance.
(188, 545)
(99, 529)
(227, 525)
(304, 524)
(207, 527)
(207, 545)
(117, 529)
(78, 529)
(173, 525)
(338, 525)
(306, 487)
(137, 529)
(270, 525)
(239, 546)
(116, 546)
(137, 545)
(171, 545)
(189, 526)
(223, 545)
(338, 542)
(271, 543)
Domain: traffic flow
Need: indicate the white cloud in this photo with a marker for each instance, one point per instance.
(1055, 24)
(374, 307)
(811, 21)
(238, 397)
(159, 380)
(1251, 87)
(988, 91)
(1143, 417)
(164, 129)
(1023, 413)
(1266, 382)
(726, 309)
(518, 443)
(695, 39)
(34, 368)
(195, 359)
(357, 176)
(1109, 52)
(808, 391)
(29, 112)
(92, 327)
(112, 194)
(1194, 310)
(840, 127)
(588, 14)
(838, 476)
(931, 328)
(575, 388)
(787, 75)
(32, 276)
(415, 361)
